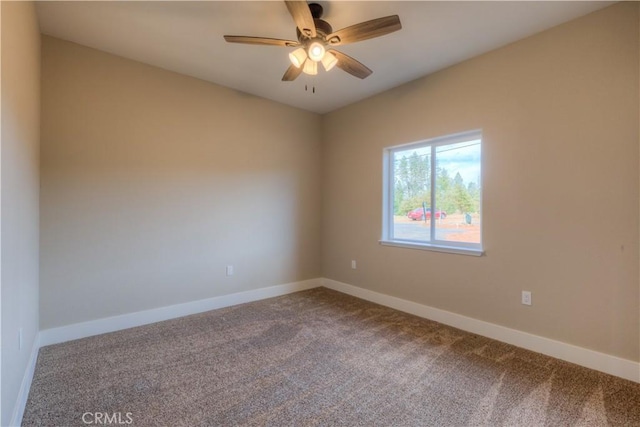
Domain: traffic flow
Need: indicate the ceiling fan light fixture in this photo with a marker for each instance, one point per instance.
(329, 61)
(310, 67)
(316, 51)
(298, 57)
(315, 36)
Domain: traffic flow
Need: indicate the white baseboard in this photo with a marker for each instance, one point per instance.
(613, 365)
(588, 358)
(25, 385)
(125, 321)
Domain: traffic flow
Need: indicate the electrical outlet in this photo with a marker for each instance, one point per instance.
(526, 297)
(353, 264)
(229, 270)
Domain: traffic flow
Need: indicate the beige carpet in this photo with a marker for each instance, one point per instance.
(317, 358)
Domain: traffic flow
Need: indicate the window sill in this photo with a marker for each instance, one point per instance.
(435, 248)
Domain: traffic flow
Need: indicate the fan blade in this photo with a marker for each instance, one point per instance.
(261, 41)
(365, 30)
(292, 73)
(350, 65)
(301, 14)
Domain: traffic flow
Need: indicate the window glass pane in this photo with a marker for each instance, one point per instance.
(458, 192)
(412, 194)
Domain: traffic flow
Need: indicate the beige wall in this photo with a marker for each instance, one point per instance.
(19, 184)
(559, 114)
(153, 182)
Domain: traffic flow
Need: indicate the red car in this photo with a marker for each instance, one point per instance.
(418, 213)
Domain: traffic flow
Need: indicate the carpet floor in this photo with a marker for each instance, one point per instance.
(316, 358)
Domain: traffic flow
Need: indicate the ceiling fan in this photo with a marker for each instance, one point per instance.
(316, 40)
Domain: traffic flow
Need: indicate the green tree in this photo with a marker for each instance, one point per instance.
(398, 197)
(411, 186)
(402, 174)
(458, 181)
(418, 175)
(461, 198)
(474, 193)
(444, 195)
(410, 203)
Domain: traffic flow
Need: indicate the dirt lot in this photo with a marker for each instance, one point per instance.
(453, 227)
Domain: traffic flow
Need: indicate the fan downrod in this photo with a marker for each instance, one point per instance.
(316, 10)
(322, 27)
(311, 29)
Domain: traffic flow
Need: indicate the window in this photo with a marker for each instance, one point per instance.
(432, 194)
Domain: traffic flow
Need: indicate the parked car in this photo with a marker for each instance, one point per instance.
(418, 213)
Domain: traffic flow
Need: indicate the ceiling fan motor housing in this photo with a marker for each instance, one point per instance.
(323, 29)
(314, 35)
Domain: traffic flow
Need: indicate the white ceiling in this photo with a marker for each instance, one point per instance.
(186, 37)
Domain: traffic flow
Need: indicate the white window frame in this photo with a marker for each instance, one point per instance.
(463, 248)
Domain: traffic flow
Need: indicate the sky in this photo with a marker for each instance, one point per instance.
(464, 157)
